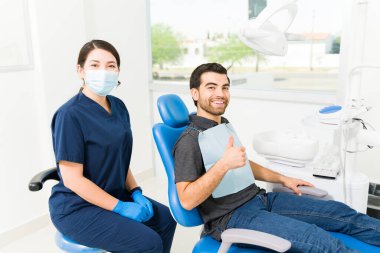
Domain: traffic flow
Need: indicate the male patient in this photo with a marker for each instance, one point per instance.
(301, 220)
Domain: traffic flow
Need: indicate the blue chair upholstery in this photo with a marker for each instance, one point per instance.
(174, 115)
(63, 242)
(69, 246)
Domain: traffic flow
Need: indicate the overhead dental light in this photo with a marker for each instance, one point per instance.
(266, 33)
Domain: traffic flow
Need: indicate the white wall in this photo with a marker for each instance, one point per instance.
(125, 25)
(28, 103)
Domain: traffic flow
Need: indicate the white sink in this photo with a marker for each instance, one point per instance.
(286, 147)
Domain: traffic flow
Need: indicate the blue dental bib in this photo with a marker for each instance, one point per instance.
(213, 143)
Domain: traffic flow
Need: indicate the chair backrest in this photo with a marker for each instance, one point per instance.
(175, 117)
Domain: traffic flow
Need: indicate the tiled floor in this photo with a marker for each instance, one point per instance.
(42, 241)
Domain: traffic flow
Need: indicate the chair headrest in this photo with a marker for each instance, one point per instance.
(173, 111)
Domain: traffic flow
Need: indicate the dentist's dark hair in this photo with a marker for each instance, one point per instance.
(93, 44)
(195, 78)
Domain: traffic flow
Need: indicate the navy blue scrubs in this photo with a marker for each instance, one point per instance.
(84, 132)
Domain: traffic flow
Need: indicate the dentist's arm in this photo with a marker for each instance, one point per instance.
(263, 174)
(191, 194)
(137, 196)
(130, 181)
(72, 176)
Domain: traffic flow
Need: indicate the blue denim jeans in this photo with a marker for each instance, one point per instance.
(303, 221)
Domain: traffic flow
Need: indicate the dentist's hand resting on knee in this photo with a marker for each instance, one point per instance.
(132, 210)
(143, 201)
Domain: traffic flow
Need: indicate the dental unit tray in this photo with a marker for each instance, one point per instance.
(290, 148)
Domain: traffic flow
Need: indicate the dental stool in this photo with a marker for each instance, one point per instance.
(64, 243)
(175, 118)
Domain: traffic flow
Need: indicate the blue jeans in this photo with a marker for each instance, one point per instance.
(303, 221)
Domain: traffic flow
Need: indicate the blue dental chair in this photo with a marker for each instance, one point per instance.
(175, 118)
(63, 242)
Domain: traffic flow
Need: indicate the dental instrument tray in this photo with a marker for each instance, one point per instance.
(290, 148)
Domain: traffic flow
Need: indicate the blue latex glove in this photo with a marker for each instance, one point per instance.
(140, 199)
(132, 210)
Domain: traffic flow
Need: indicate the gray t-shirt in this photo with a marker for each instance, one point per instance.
(188, 163)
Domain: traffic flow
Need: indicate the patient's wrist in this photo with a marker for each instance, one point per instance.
(222, 165)
(282, 179)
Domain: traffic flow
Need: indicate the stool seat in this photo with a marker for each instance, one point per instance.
(70, 246)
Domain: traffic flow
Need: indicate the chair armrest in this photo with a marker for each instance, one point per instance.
(236, 235)
(36, 183)
(304, 190)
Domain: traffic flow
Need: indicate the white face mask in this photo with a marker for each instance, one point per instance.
(101, 82)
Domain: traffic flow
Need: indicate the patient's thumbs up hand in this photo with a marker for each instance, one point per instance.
(230, 143)
(233, 157)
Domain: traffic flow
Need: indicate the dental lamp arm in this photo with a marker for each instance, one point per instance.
(235, 235)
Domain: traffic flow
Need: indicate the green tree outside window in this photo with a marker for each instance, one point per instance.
(166, 45)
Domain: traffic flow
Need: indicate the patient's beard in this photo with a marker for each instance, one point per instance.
(206, 105)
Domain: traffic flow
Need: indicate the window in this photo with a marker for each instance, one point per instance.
(188, 33)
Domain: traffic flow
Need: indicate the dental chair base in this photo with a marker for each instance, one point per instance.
(209, 245)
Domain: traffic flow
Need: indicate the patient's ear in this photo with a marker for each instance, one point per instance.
(195, 94)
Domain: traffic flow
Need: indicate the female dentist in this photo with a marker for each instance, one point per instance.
(97, 202)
